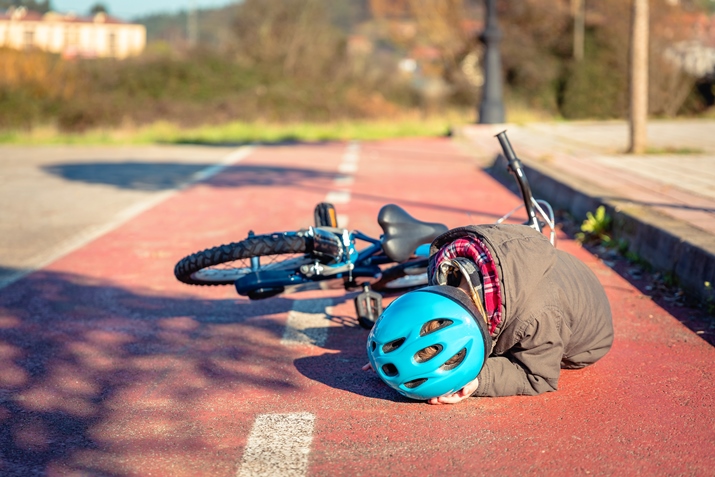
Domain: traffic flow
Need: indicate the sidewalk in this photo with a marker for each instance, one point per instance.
(663, 203)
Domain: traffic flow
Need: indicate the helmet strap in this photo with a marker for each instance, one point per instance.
(471, 274)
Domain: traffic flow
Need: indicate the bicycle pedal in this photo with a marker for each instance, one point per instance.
(325, 215)
(368, 305)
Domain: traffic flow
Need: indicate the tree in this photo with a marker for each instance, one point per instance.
(294, 36)
(35, 6)
(639, 77)
(578, 10)
(98, 8)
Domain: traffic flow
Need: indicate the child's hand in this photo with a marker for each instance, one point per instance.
(367, 367)
(459, 396)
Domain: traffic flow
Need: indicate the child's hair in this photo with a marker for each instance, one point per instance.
(430, 352)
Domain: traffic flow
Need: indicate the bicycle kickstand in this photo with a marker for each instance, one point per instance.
(368, 305)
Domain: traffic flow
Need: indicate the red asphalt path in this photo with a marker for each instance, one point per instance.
(112, 367)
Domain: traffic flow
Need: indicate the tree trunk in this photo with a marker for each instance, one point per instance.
(578, 8)
(639, 77)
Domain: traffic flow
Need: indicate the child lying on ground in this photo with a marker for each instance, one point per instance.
(504, 313)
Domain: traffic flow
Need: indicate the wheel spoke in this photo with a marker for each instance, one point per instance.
(224, 264)
(232, 271)
(408, 281)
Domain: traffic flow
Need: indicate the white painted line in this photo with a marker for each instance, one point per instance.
(343, 181)
(338, 197)
(278, 445)
(232, 158)
(351, 156)
(343, 221)
(307, 323)
(90, 234)
(350, 159)
(347, 168)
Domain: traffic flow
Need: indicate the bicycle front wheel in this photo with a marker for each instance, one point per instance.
(225, 264)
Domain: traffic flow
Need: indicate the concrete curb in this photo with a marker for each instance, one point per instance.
(669, 245)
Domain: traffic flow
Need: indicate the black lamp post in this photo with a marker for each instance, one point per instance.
(491, 109)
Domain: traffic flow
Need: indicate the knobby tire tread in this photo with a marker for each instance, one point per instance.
(257, 246)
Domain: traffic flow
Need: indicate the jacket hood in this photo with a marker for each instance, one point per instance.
(523, 258)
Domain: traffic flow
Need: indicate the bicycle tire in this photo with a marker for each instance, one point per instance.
(403, 277)
(197, 268)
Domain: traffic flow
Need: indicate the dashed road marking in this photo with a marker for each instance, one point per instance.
(307, 323)
(347, 168)
(278, 445)
(343, 181)
(350, 159)
(338, 197)
(351, 156)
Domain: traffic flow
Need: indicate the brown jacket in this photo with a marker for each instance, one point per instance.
(555, 313)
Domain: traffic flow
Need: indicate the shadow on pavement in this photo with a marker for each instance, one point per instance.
(163, 176)
(343, 370)
(90, 369)
(281, 140)
(654, 286)
(167, 176)
(669, 205)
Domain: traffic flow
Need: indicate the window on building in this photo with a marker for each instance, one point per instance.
(112, 44)
(28, 38)
(71, 36)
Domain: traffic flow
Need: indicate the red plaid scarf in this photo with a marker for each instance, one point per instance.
(473, 249)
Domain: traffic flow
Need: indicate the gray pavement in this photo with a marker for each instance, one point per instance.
(58, 198)
(663, 202)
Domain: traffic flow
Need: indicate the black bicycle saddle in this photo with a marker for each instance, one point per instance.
(403, 233)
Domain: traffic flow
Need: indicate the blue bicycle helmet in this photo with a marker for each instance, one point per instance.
(437, 318)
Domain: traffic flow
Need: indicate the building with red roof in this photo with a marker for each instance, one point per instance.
(100, 36)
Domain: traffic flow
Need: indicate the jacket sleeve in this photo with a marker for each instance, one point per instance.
(531, 365)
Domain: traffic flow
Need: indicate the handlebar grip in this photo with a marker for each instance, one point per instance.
(518, 172)
(506, 147)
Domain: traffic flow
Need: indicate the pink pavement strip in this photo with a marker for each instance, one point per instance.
(113, 367)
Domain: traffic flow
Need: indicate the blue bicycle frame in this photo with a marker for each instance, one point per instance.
(333, 256)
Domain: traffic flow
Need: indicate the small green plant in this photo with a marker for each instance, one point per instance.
(633, 257)
(622, 247)
(709, 298)
(670, 279)
(596, 227)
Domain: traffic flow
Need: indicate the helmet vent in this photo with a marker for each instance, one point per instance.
(390, 370)
(434, 325)
(373, 345)
(428, 353)
(414, 383)
(454, 361)
(392, 345)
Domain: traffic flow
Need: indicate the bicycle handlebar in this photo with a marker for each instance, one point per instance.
(518, 171)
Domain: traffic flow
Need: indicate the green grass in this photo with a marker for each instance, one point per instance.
(239, 132)
(312, 132)
(405, 124)
(674, 150)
